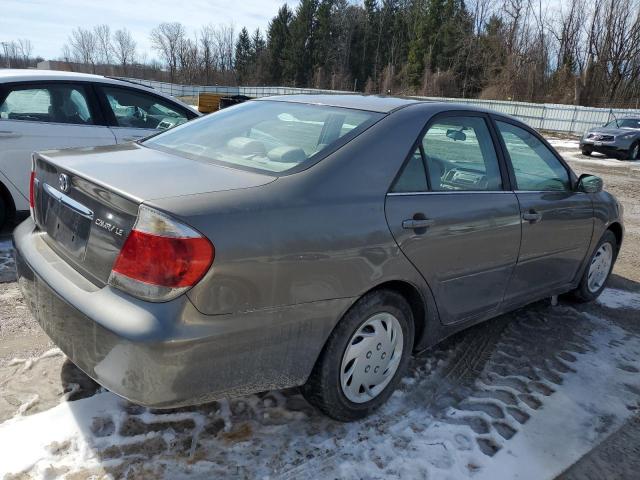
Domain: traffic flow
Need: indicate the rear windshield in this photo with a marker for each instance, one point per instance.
(267, 136)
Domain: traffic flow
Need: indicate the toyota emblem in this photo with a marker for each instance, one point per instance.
(64, 182)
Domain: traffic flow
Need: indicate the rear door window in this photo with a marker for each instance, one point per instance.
(460, 155)
(54, 103)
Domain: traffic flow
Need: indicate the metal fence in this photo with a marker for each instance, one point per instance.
(543, 116)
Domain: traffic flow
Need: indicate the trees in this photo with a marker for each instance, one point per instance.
(516, 49)
(124, 49)
(166, 39)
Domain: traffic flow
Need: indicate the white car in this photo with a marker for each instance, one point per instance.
(42, 110)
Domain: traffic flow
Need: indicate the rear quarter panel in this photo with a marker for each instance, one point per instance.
(316, 235)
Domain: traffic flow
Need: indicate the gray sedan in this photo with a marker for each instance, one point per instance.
(619, 138)
(312, 241)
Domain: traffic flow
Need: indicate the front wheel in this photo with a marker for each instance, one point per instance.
(587, 152)
(598, 270)
(634, 151)
(364, 358)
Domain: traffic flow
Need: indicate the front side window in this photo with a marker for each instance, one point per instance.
(47, 103)
(265, 135)
(133, 109)
(460, 155)
(536, 168)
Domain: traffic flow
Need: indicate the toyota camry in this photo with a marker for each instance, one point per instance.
(314, 241)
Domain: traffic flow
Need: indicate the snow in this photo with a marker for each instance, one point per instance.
(276, 435)
(614, 298)
(563, 143)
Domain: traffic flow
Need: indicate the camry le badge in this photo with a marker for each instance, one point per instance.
(64, 182)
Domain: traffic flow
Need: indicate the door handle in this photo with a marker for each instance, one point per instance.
(8, 134)
(414, 224)
(532, 216)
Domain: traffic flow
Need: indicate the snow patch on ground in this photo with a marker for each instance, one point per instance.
(614, 298)
(437, 426)
(563, 143)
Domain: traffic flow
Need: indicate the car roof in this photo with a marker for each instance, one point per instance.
(35, 75)
(21, 75)
(372, 103)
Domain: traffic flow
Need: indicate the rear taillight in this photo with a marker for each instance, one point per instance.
(161, 258)
(32, 192)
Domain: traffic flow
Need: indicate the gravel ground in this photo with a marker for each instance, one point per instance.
(554, 388)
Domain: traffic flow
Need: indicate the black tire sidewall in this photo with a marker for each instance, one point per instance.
(630, 155)
(323, 388)
(582, 293)
(4, 214)
(587, 152)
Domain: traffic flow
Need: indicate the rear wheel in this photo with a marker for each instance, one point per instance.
(3, 212)
(364, 358)
(634, 151)
(598, 270)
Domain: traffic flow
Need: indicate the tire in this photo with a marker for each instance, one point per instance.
(4, 214)
(634, 151)
(324, 388)
(586, 291)
(587, 152)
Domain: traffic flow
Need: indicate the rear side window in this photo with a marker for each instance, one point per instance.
(47, 103)
(267, 136)
(133, 109)
(536, 168)
(413, 177)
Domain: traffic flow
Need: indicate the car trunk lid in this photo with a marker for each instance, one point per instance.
(86, 200)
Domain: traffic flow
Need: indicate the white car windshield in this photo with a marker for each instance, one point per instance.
(624, 123)
(269, 136)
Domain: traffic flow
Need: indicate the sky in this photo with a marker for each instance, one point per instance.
(48, 23)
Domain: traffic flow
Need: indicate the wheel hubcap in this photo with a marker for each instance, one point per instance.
(600, 266)
(634, 153)
(372, 357)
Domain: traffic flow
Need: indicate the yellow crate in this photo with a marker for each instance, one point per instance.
(209, 102)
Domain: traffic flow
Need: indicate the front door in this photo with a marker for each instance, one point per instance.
(454, 220)
(557, 221)
(45, 116)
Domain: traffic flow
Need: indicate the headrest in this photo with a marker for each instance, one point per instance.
(246, 146)
(287, 154)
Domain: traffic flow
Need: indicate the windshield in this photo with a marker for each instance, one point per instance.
(269, 136)
(624, 123)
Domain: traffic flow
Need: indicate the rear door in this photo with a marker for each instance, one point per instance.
(454, 217)
(557, 221)
(44, 116)
(134, 114)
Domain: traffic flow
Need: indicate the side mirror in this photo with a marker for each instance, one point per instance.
(589, 183)
(456, 135)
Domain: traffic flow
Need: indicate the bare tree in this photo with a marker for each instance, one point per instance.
(208, 52)
(166, 39)
(83, 47)
(104, 48)
(124, 49)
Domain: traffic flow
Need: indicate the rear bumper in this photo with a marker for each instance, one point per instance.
(167, 354)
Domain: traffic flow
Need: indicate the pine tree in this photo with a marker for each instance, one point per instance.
(278, 40)
(243, 56)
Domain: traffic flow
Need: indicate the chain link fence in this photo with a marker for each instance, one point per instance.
(543, 116)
